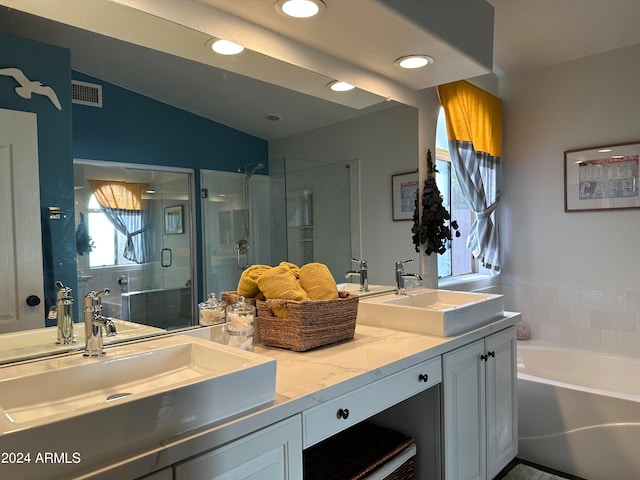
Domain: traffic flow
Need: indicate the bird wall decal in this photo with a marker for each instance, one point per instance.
(28, 87)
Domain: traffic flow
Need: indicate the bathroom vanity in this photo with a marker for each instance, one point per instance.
(448, 392)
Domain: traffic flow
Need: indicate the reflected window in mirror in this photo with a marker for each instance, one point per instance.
(457, 260)
(107, 241)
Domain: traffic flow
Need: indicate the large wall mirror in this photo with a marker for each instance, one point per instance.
(266, 127)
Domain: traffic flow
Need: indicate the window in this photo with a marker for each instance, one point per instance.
(107, 241)
(457, 260)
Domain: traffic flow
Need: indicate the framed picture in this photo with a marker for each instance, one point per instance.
(601, 178)
(404, 187)
(173, 220)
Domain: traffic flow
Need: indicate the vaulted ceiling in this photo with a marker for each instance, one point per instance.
(148, 46)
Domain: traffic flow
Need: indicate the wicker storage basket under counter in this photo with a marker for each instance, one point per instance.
(362, 452)
(308, 324)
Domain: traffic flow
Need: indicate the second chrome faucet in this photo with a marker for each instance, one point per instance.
(94, 322)
(400, 276)
(364, 279)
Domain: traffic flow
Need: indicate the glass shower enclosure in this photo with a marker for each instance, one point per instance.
(301, 212)
(123, 207)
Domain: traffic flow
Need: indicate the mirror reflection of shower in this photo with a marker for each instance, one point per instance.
(228, 242)
(242, 245)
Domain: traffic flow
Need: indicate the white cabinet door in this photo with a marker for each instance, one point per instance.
(464, 413)
(273, 453)
(502, 410)
(21, 239)
(480, 412)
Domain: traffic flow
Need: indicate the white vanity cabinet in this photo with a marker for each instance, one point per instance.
(479, 403)
(338, 414)
(273, 453)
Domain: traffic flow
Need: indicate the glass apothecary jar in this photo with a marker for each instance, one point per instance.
(212, 312)
(239, 325)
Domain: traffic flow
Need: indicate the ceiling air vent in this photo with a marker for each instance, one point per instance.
(86, 93)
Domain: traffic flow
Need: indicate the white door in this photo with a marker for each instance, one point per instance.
(22, 292)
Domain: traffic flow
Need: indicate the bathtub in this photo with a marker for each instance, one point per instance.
(579, 412)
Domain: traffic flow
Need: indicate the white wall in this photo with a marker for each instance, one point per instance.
(573, 275)
(385, 143)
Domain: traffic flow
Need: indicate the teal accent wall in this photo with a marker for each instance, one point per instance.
(51, 66)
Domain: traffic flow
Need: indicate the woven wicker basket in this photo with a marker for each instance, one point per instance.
(359, 452)
(232, 297)
(308, 324)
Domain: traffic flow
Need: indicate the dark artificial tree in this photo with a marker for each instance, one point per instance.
(84, 243)
(435, 227)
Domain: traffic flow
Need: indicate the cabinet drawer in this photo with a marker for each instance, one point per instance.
(331, 417)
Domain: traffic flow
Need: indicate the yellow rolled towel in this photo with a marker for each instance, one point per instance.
(248, 284)
(291, 266)
(280, 282)
(317, 281)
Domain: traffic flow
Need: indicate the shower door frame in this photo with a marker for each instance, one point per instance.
(189, 214)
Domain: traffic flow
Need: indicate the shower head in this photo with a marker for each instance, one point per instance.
(249, 172)
(257, 166)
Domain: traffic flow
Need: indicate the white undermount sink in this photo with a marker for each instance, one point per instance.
(136, 395)
(430, 311)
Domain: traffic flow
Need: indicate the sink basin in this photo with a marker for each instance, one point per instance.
(432, 312)
(39, 342)
(136, 395)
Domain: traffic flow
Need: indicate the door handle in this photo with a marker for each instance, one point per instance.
(33, 300)
(166, 257)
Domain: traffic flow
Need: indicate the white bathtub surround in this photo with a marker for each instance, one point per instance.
(579, 412)
(600, 320)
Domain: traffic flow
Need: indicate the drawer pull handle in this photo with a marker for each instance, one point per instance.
(342, 413)
(423, 377)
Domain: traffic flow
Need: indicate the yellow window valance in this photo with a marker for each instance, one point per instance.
(117, 194)
(472, 115)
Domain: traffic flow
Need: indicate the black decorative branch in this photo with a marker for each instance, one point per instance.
(435, 227)
(84, 243)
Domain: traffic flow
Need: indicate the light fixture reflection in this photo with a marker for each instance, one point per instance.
(339, 86)
(225, 47)
(414, 61)
(300, 8)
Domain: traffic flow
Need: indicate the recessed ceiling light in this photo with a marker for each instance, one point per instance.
(300, 8)
(414, 61)
(224, 47)
(273, 117)
(339, 86)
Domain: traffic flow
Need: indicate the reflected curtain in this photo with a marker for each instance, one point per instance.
(474, 130)
(123, 205)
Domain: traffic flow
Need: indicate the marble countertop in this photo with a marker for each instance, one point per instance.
(303, 380)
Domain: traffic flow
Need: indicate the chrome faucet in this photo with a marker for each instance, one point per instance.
(94, 322)
(400, 276)
(364, 280)
(63, 313)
